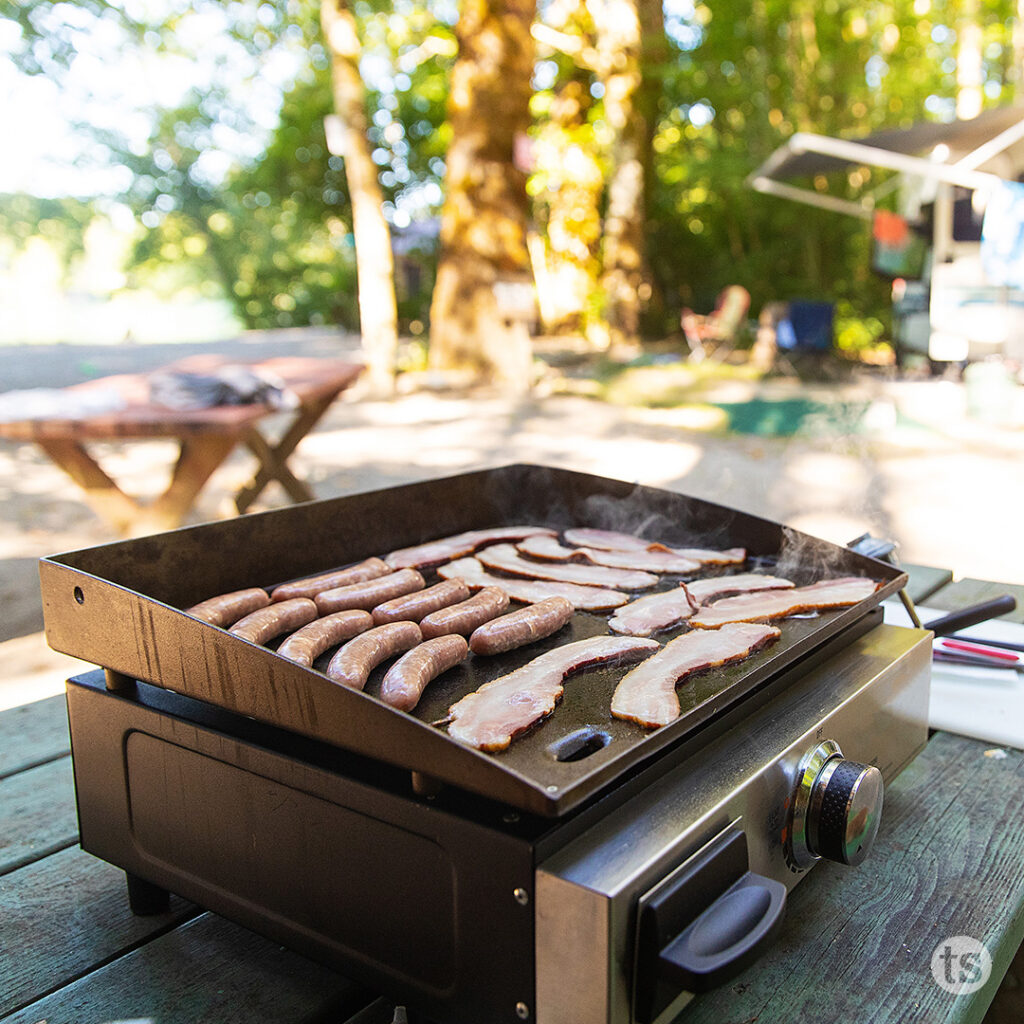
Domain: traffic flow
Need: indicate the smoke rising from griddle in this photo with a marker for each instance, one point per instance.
(634, 515)
(805, 559)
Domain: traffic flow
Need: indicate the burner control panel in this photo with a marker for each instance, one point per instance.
(682, 885)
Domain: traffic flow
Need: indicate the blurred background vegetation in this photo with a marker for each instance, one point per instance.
(196, 167)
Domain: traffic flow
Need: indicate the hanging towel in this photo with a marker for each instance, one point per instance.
(228, 385)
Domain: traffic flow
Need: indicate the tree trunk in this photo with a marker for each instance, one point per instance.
(968, 61)
(654, 61)
(485, 214)
(575, 184)
(804, 56)
(1016, 73)
(378, 314)
(625, 280)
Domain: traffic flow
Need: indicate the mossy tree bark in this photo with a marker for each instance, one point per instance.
(378, 314)
(485, 214)
(626, 30)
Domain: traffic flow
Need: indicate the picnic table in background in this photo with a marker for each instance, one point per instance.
(206, 437)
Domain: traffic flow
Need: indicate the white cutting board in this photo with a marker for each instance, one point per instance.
(984, 703)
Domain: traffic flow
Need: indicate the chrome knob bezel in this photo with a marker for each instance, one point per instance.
(810, 767)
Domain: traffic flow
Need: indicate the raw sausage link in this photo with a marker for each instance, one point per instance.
(353, 663)
(313, 585)
(465, 617)
(275, 619)
(412, 607)
(227, 609)
(308, 643)
(534, 622)
(408, 677)
(370, 593)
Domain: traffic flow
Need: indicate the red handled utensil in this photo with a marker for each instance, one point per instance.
(981, 649)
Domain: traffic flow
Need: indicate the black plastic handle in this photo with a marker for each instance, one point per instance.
(972, 616)
(703, 923)
(727, 937)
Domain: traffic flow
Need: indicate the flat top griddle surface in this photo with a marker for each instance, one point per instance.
(581, 738)
(563, 760)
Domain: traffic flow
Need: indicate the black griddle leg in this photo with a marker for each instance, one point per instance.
(145, 898)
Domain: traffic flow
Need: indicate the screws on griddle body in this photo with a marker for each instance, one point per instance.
(552, 789)
(522, 1011)
(522, 896)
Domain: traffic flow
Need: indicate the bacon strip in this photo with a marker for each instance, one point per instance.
(654, 612)
(668, 608)
(505, 558)
(605, 540)
(548, 549)
(706, 556)
(437, 551)
(777, 604)
(491, 717)
(647, 694)
(612, 540)
(703, 590)
(593, 599)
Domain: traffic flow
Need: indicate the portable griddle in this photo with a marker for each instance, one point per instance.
(554, 881)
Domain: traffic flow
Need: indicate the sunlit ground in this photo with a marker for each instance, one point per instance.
(947, 487)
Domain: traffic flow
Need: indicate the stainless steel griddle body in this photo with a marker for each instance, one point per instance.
(473, 888)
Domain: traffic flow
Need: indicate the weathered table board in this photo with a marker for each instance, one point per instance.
(856, 944)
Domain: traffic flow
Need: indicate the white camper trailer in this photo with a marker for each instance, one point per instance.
(951, 301)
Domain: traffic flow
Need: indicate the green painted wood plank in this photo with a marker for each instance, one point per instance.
(33, 734)
(206, 970)
(966, 592)
(62, 916)
(857, 943)
(924, 581)
(37, 814)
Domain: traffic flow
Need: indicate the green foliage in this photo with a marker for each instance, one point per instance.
(856, 334)
(747, 76)
(271, 231)
(237, 201)
(61, 223)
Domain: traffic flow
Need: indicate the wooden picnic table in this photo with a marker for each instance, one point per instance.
(856, 945)
(205, 437)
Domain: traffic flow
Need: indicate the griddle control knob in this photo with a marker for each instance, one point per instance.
(836, 808)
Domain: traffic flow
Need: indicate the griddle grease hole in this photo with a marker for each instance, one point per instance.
(579, 744)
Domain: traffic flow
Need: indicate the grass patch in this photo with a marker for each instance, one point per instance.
(662, 385)
(790, 416)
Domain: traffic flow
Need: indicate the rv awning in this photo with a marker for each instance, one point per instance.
(970, 144)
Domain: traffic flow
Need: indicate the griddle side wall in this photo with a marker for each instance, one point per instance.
(185, 566)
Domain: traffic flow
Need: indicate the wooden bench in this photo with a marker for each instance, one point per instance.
(856, 944)
(205, 437)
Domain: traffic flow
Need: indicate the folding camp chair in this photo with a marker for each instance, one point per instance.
(720, 326)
